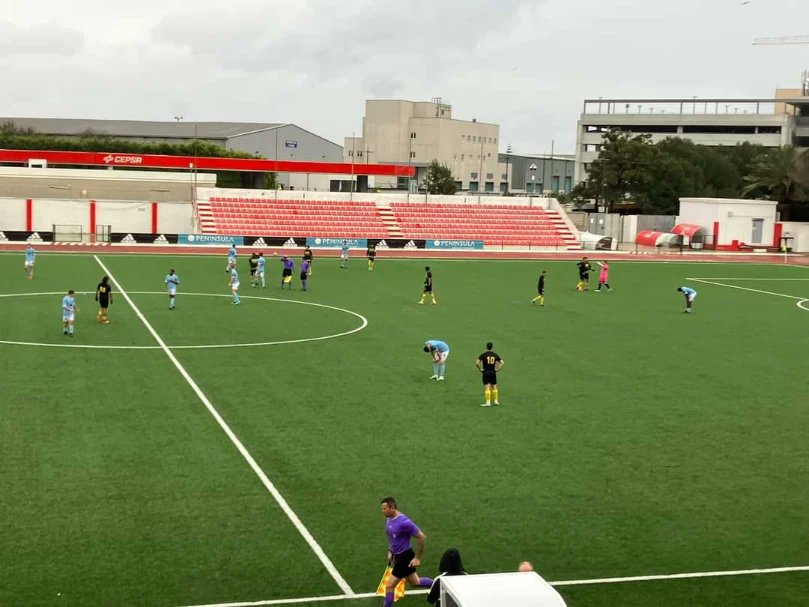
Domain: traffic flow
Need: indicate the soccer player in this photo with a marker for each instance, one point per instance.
(253, 261)
(439, 352)
(603, 276)
(489, 363)
(584, 268)
(540, 289)
(231, 258)
(104, 299)
(69, 309)
(260, 274)
(401, 556)
(344, 255)
(172, 280)
(428, 286)
(690, 294)
(286, 273)
(308, 256)
(234, 286)
(371, 253)
(305, 275)
(30, 256)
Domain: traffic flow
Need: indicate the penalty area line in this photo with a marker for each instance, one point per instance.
(720, 284)
(594, 581)
(268, 484)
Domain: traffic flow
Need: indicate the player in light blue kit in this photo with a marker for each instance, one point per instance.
(69, 309)
(172, 280)
(690, 295)
(259, 276)
(234, 286)
(231, 258)
(30, 256)
(439, 351)
(344, 255)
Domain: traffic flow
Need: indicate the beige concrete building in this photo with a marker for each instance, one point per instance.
(415, 133)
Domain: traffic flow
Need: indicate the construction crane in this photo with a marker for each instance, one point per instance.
(782, 40)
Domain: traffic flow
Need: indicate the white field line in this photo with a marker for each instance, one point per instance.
(737, 278)
(720, 284)
(680, 576)
(594, 581)
(268, 484)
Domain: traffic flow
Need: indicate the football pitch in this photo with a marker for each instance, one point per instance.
(220, 454)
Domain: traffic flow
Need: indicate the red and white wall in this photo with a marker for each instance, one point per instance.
(33, 214)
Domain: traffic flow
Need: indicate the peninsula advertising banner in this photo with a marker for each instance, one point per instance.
(336, 243)
(454, 244)
(211, 239)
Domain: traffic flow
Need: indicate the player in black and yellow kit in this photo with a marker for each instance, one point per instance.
(489, 363)
(253, 261)
(428, 286)
(104, 299)
(540, 289)
(371, 254)
(584, 268)
(308, 256)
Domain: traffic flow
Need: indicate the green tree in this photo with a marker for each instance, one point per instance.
(439, 179)
(621, 171)
(781, 174)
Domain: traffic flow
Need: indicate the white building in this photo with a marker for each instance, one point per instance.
(772, 122)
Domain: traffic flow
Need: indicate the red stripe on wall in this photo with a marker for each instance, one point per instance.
(715, 233)
(92, 219)
(154, 218)
(778, 231)
(29, 215)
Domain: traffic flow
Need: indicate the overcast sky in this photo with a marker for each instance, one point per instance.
(525, 65)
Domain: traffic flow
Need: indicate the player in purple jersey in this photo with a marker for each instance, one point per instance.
(401, 557)
(305, 265)
(286, 273)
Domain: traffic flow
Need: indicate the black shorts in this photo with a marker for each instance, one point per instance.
(585, 276)
(372, 257)
(286, 272)
(489, 377)
(427, 289)
(253, 271)
(103, 302)
(541, 291)
(304, 276)
(401, 564)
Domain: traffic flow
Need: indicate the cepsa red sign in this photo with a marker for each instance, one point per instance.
(120, 159)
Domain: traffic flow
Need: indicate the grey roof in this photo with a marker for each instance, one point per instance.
(140, 128)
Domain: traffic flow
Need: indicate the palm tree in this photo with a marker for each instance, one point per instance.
(781, 174)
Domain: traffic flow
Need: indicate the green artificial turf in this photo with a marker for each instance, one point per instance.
(632, 439)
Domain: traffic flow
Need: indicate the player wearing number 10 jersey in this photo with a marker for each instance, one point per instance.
(489, 363)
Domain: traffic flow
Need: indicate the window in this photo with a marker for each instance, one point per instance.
(412, 154)
(475, 139)
(350, 152)
(504, 176)
(489, 186)
(473, 186)
(359, 154)
(495, 139)
(473, 175)
(462, 156)
(412, 135)
(489, 176)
